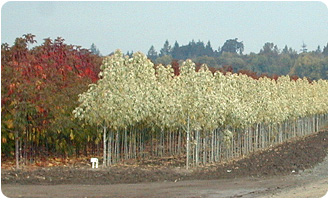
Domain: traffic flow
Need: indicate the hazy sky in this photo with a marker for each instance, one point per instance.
(138, 25)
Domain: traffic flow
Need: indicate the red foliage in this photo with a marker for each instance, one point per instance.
(50, 60)
(176, 67)
(29, 74)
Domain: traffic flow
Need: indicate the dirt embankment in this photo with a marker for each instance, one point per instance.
(264, 173)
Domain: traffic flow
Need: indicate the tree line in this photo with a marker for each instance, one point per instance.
(270, 60)
(40, 88)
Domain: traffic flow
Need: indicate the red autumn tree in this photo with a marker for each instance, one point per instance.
(39, 89)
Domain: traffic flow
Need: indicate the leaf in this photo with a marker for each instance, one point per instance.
(71, 135)
(9, 123)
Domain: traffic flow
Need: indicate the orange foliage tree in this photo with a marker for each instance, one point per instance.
(39, 90)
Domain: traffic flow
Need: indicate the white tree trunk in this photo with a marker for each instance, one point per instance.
(188, 138)
(104, 145)
(197, 148)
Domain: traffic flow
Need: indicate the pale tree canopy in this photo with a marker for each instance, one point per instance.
(132, 91)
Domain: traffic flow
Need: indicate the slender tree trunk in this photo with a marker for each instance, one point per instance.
(209, 145)
(239, 143)
(170, 145)
(109, 148)
(162, 143)
(125, 144)
(219, 144)
(317, 123)
(16, 149)
(262, 136)
(117, 146)
(104, 145)
(179, 143)
(257, 136)
(156, 144)
(294, 127)
(130, 143)
(204, 151)
(197, 148)
(135, 143)
(216, 151)
(245, 141)
(20, 150)
(212, 146)
(188, 138)
(280, 133)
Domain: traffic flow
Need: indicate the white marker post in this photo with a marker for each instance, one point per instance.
(95, 162)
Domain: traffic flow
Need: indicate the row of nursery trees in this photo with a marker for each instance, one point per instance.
(203, 116)
(39, 90)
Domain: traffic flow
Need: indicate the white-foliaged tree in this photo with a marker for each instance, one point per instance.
(143, 103)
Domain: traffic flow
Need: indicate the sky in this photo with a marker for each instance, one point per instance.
(135, 26)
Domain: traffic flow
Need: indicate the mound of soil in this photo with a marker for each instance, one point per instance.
(290, 157)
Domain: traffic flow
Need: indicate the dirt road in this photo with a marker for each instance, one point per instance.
(296, 168)
(309, 183)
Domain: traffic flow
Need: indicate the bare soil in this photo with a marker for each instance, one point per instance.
(296, 168)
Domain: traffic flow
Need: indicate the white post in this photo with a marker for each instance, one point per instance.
(95, 162)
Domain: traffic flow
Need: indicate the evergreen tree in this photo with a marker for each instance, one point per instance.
(94, 50)
(176, 51)
(166, 50)
(208, 49)
(285, 50)
(318, 50)
(152, 53)
(129, 53)
(304, 49)
(325, 50)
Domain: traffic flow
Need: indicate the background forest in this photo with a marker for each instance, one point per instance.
(40, 87)
(270, 60)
